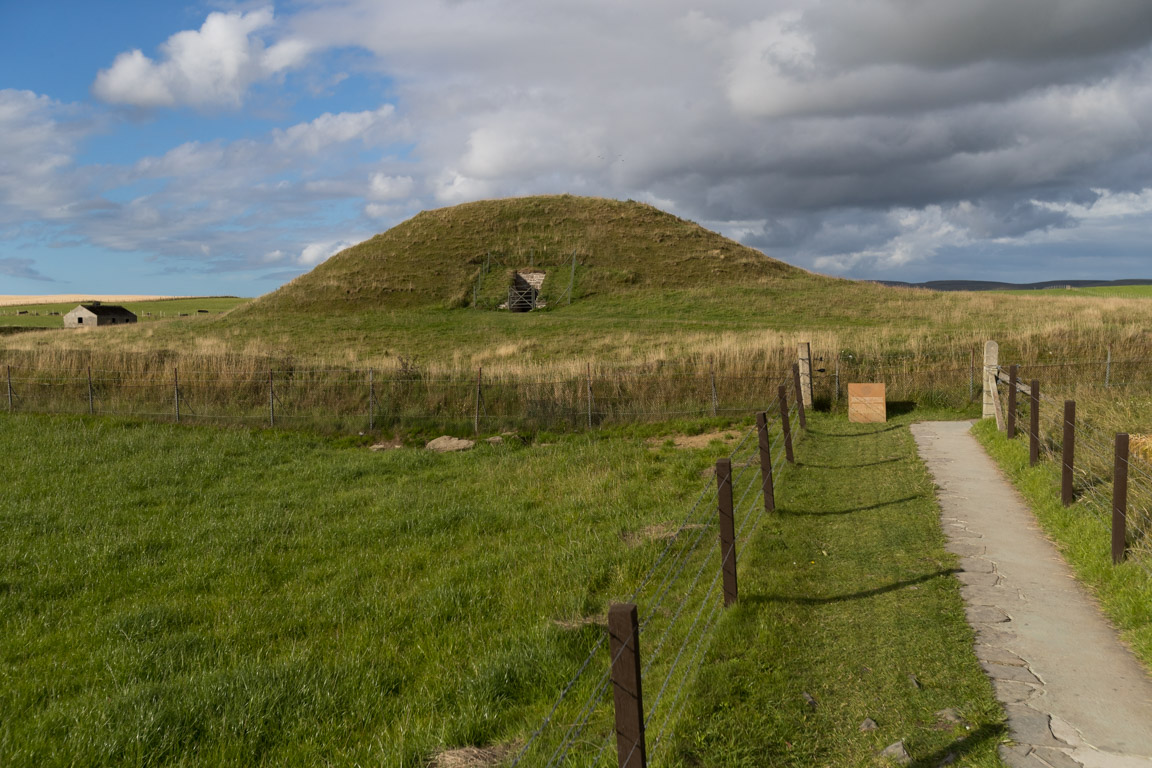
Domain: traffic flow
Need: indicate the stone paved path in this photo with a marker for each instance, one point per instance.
(1074, 695)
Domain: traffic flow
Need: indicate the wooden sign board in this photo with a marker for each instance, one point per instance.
(866, 403)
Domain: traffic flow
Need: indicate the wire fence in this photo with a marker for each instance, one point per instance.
(679, 604)
(1103, 409)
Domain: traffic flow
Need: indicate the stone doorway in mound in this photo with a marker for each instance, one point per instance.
(524, 293)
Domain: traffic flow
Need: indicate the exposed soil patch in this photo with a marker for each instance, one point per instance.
(474, 757)
(584, 621)
(695, 442)
(387, 445)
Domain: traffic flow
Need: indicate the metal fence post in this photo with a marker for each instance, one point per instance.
(782, 395)
(9, 372)
(271, 400)
(1120, 499)
(1034, 426)
(176, 393)
(766, 479)
(1108, 368)
(1067, 492)
(371, 400)
(799, 396)
(627, 696)
(727, 529)
(91, 410)
(1010, 417)
(837, 378)
(972, 376)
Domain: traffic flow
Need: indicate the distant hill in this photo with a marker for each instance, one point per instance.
(444, 257)
(985, 285)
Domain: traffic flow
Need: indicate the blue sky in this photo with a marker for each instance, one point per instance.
(223, 148)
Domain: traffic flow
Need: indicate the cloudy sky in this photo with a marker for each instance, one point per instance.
(223, 148)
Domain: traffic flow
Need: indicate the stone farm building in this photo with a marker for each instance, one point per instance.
(87, 315)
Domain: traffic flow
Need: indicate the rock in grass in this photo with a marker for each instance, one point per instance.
(447, 444)
(915, 682)
(811, 702)
(897, 753)
(950, 715)
(868, 725)
(495, 440)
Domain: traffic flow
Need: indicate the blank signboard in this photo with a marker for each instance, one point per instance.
(866, 403)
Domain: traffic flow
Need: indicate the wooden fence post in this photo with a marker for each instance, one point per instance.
(589, 395)
(1120, 499)
(805, 363)
(991, 365)
(627, 696)
(1067, 491)
(476, 415)
(766, 479)
(1010, 417)
(727, 529)
(91, 409)
(712, 378)
(799, 397)
(1034, 425)
(782, 395)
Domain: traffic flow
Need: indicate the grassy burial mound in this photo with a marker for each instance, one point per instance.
(439, 257)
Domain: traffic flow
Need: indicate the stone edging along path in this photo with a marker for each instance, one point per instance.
(1073, 694)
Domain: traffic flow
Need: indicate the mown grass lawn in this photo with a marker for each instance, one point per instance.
(848, 597)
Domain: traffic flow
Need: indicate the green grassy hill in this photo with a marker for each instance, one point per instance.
(448, 256)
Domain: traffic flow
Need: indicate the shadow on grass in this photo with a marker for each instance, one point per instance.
(868, 433)
(901, 407)
(827, 513)
(851, 466)
(762, 599)
(961, 747)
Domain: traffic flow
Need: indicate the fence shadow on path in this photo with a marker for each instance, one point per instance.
(787, 511)
(862, 595)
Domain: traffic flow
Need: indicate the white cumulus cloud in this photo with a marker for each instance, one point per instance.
(212, 66)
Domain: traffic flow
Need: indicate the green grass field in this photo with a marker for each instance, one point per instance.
(207, 597)
(1106, 291)
(38, 315)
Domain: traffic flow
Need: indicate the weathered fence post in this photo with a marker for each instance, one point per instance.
(1034, 425)
(627, 696)
(371, 400)
(766, 479)
(176, 393)
(972, 376)
(1068, 464)
(91, 410)
(712, 378)
(476, 415)
(991, 365)
(799, 397)
(782, 395)
(1120, 500)
(271, 400)
(589, 395)
(727, 529)
(805, 363)
(1010, 417)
